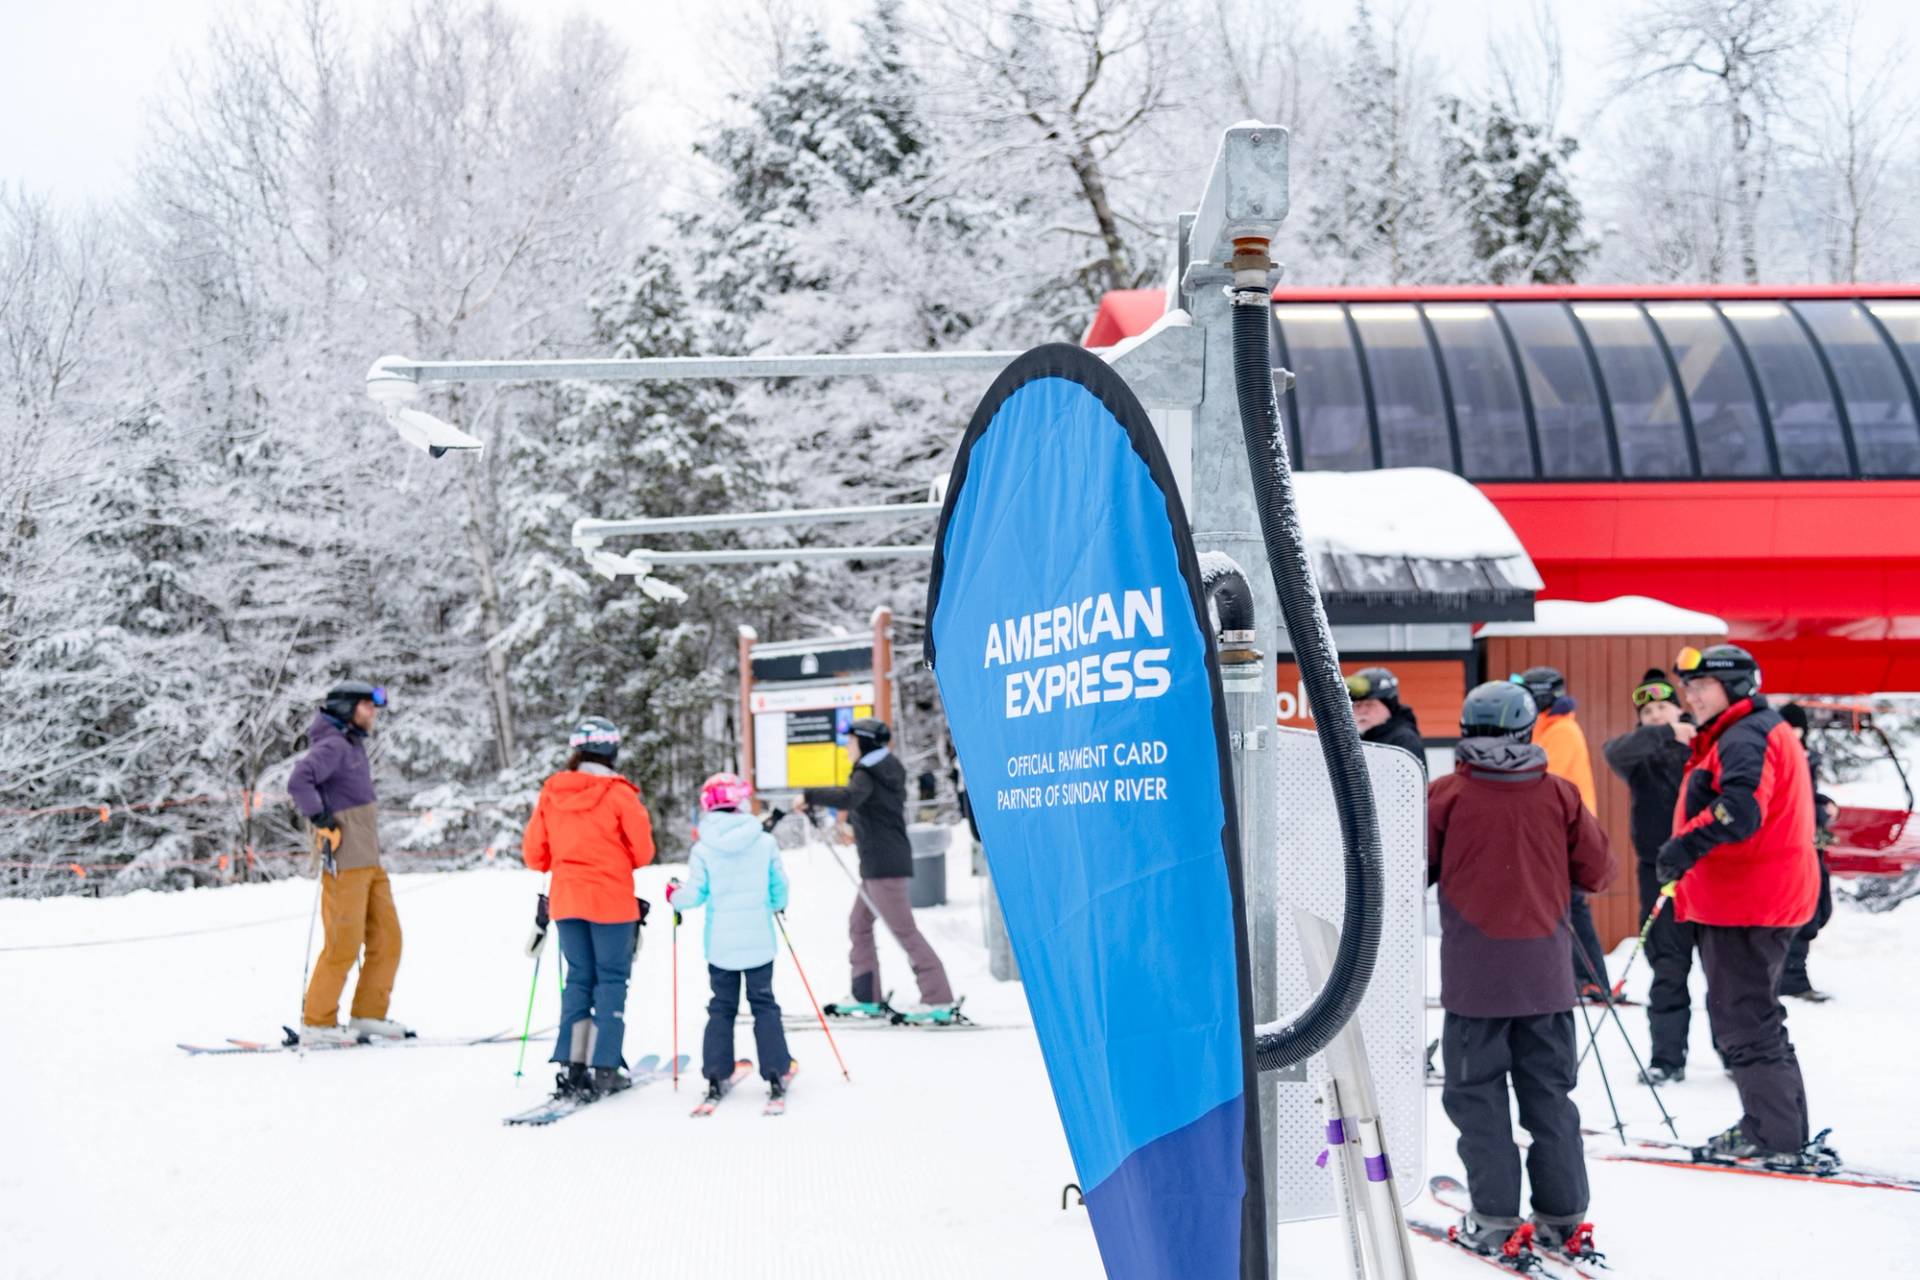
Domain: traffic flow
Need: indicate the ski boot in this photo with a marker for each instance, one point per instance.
(1816, 1158)
(853, 1007)
(610, 1080)
(1657, 1075)
(716, 1090)
(310, 1034)
(931, 1015)
(384, 1028)
(1729, 1145)
(1568, 1237)
(1507, 1239)
(573, 1081)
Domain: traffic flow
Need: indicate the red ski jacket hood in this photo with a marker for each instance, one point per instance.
(1746, 808)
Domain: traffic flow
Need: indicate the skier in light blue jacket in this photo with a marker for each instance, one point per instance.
(735, 873)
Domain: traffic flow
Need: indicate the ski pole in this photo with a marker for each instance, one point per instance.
(526, 1030)
(536, 947)
(1614, 1011)
(676, 989)
(323, 860)
(1619, 1125)
(1640, 943)
(780, 918)
(854, 881)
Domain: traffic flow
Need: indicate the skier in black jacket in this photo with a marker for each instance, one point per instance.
(1381, 717)
(875, 802)
(1793, 979)
(1651, 760)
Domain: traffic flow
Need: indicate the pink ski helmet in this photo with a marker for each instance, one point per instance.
(725, 791)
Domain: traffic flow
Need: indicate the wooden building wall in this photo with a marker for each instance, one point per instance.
(1601, 672)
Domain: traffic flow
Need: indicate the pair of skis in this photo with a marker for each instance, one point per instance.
(1820, 1164)
(1519, 1254)
(741, 1070)
(561, 1105)
(290, 1043)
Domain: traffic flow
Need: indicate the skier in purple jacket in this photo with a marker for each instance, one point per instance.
(333, 787)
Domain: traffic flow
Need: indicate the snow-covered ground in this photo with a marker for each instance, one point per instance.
(119, 1155)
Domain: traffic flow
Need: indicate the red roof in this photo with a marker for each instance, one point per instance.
(1122, 314)
(1126, 312)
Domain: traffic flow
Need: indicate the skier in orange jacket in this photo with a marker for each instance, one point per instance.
(1558, 734)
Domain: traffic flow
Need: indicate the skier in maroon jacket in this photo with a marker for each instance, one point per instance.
(1507, 844)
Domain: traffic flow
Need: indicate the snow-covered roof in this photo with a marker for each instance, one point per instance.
(1412, 544)
(1620, 616)
(1405, 511)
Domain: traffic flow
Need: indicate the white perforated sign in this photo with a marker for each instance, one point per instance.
(1391, 1017)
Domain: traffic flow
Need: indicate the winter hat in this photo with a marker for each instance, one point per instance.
(724, 791)
(1655, 686)
(596, 738)
(1795, 715)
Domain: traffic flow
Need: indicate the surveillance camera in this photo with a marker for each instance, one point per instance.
(424, 431)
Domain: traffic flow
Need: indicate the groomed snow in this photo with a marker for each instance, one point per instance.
(121, 1156)
(1620, 616)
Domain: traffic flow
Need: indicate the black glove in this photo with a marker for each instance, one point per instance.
(772, 819)
(1673, 861)
(325, 821)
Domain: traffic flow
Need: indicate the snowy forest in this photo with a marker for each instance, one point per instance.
(204, 521)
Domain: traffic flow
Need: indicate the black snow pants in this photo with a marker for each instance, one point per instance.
(1538, 1054)
(1589, 961)
(1669, 949)
(1793, 979)
(1743, 967)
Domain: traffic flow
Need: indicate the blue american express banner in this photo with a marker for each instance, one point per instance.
(1068, 631)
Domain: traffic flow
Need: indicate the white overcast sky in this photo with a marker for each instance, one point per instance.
(76, 79)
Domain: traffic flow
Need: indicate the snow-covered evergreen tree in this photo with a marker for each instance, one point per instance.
(1509, 177)
(662, 670)
(1376, 213)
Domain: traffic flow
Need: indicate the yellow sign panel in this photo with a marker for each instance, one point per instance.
(815, 746)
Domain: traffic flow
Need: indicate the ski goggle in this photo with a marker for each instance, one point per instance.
(1688, 659)
(1359, 686)
(1652, 691)
(379, 695)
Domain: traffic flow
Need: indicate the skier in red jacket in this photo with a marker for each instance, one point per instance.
(1742, 852)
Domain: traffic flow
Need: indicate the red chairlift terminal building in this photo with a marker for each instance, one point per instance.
(1750, 452)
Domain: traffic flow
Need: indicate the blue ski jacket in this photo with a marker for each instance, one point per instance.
(735, 873)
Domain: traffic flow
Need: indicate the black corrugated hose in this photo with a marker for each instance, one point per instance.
(1319, 667)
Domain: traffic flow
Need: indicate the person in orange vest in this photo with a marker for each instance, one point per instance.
(1558, 734)
(591, 831)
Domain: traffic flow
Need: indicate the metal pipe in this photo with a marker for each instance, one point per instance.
(668, 368)
(595, 530)
(773, 555)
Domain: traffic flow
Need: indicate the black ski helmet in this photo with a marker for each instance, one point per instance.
(348, 694)
(1374, 682)
(1546, 684)
(596, 738)
(870, 729)
(1498, 709)
(1731, 665)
